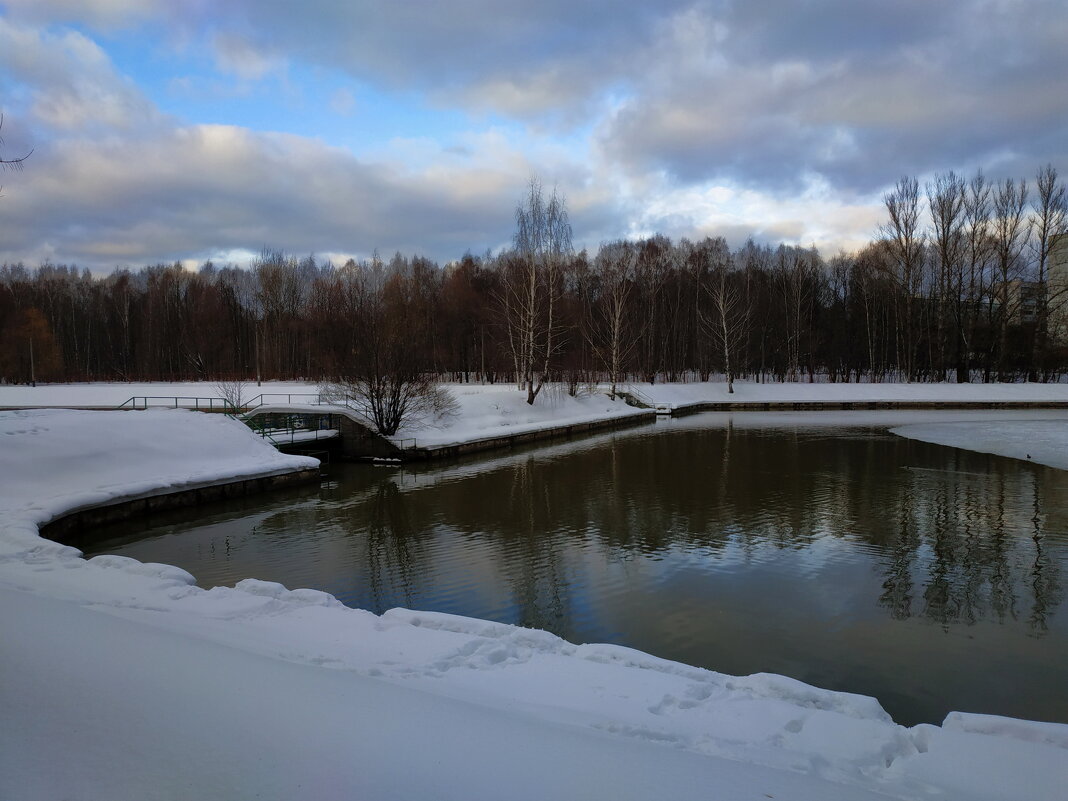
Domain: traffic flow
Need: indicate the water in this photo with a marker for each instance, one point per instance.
(837, 554)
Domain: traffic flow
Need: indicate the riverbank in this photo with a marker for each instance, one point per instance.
(675, 396)
(714, 395)
(124, 680)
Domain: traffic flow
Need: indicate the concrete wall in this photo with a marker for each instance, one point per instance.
(84, 519)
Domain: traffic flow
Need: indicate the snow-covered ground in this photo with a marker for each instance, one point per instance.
(123, 680)
(58, 461)
(484, 412)
(680, 396)
(672, 395)
(110, 394)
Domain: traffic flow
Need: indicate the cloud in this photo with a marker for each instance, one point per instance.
(857, 101)
(198, 190)
(100, 14)
(66, 82)
(763, 93)
(776, 119)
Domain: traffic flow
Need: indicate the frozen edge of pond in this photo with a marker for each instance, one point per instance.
(1042, 442)
(100, 641)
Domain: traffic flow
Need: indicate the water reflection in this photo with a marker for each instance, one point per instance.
(967, 546)
(845, 557)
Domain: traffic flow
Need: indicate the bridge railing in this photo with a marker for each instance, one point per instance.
(288, 428)
(270, 398)
(200, 404)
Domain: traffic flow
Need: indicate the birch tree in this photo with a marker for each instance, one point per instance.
(730, 319)
(609, 314)
(532, 285)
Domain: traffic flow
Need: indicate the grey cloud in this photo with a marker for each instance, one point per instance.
(203, 190)
(101, 14)
(777, 111)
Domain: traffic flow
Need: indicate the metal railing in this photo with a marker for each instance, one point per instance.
(270, 398)
(200, 404)
(282, 428)
(638, 398)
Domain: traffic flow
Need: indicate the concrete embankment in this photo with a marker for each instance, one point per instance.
(502, 441)
(120, 509)
(678, 410)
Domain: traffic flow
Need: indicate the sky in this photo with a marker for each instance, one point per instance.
(188, 130)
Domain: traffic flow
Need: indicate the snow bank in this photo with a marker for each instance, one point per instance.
(109, 394)
(58, 461)
(485, 412)
(1039, 441)
(680, 396)
(123, 680)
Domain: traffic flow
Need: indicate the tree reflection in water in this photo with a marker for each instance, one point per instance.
(845, 557)
(967, 549)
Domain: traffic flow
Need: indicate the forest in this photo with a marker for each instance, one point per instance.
(966, 280)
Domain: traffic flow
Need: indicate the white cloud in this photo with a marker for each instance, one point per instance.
(68, 82)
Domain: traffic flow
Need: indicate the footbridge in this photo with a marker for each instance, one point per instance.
(296, 422)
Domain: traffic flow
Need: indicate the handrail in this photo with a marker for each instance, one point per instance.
(141, 402)
(645, 400)
(290, 426)
(261, 399)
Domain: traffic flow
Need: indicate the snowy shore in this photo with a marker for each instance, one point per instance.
(682, 396)
(677, 396)
(123, 680)
(1038, 441)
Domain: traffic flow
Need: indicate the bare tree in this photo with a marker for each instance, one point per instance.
(11, 164)
(232, 390)
(1049, 219)
(905, 237)
(1010, 231)
(729, 322)
(532, 285)
(977, 255)
(945, 200)
(387, 379)
(608, 315)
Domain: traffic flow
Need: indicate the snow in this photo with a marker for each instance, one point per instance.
(1039, 441)
(681, 396)
(123, 680)
(485, 412)
(111, 394)
(59, 461)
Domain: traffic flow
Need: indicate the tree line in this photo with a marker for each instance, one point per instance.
(962, 283)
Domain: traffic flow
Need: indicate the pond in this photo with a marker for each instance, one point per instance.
(817, 545)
